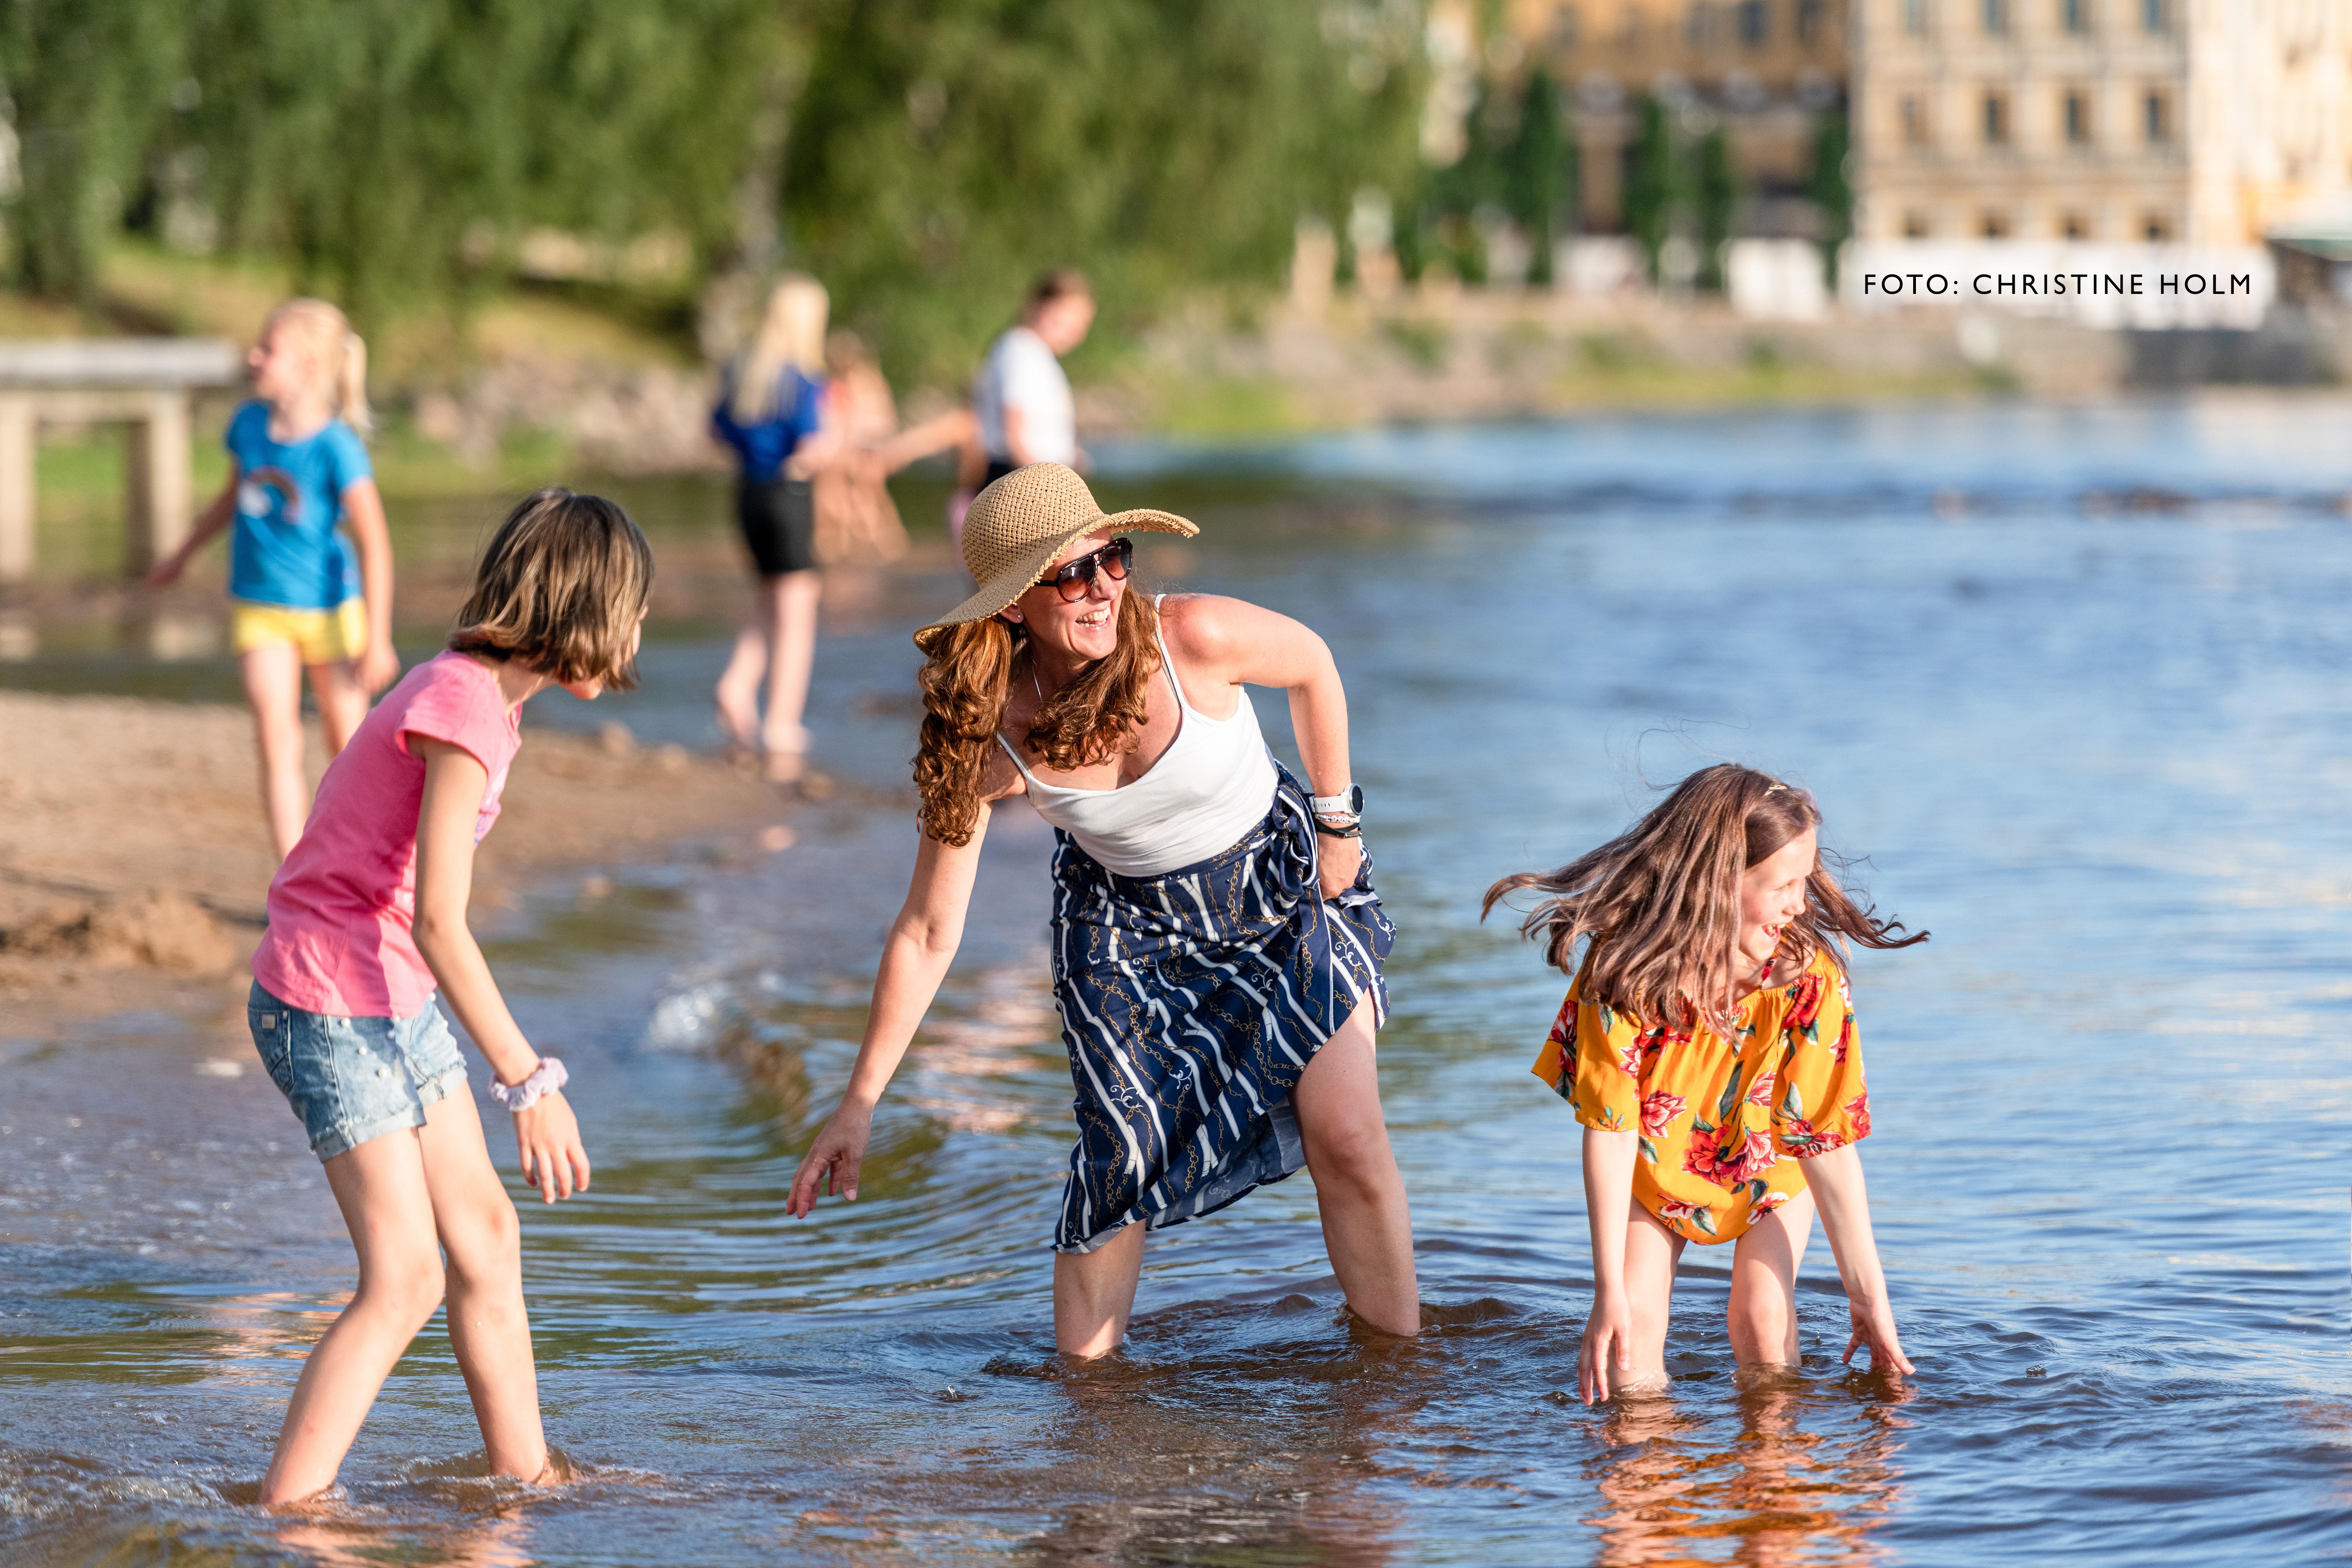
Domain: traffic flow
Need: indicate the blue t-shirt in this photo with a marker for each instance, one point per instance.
(765, 446)
(287, 548)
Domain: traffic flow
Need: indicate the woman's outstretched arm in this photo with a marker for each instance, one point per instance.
(1836, 1181)
(915, 958)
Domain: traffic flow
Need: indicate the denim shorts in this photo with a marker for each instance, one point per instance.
(353, 1079)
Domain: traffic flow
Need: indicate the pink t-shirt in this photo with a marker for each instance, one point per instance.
(342, 907)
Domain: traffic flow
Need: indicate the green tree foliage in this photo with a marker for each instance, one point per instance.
(1830, 190)
(1653, 180)
(940, 156)
(1716, 197)
(377, 142)
(1540, 173)
(87, 81)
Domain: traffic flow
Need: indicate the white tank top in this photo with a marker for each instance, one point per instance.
(1213, 785)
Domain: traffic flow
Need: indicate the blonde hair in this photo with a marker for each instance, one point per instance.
(791, 336)
(342, 354)
(562, 587)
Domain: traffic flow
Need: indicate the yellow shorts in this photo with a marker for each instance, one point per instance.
(323, 636)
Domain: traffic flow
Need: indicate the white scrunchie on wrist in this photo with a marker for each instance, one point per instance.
(546, 1077)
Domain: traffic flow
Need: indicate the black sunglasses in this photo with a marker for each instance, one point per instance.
(1112, 560)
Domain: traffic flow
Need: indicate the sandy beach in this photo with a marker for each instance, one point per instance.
(134, 864)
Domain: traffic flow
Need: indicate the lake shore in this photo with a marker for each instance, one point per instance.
(134, 864)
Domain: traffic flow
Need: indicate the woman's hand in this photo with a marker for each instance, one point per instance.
(1340, 860)
(1608, 1356)
(1873, 1325)
(833, 1159)
(547, 1137)
(167, 572)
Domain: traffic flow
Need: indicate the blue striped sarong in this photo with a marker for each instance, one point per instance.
(1191, 1003)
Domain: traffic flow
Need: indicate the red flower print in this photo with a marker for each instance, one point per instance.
(1844, 1040)
(1754, 1156)
(1674, 1211)
(1804, 1000)
(1659, 1110)
(1857, 1111)
(1767, 1202)
(1760, 1093)
(1629, 1058)
(1699, 1160)
(1804, 1140)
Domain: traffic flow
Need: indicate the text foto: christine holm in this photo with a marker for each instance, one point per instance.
(2056, 285)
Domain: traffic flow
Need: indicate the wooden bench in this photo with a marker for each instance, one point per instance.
(147, 384)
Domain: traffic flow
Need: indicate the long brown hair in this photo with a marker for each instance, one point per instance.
(562, 587)
(1660, 901)
(968, 670)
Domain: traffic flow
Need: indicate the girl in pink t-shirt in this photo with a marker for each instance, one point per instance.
(367, 922)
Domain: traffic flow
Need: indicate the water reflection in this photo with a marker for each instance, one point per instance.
(1779, 1493)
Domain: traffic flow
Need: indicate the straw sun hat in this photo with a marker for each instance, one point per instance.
(1017, 525)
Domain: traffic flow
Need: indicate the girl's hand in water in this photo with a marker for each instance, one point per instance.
(833, 1159)
(548, 1136)
(1873, 1325)
(1608, 1355)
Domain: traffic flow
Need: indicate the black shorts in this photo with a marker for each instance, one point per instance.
(779, 523)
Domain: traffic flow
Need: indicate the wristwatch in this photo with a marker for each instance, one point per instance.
(1339, 816)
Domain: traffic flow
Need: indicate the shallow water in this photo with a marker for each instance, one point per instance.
(2072, 678)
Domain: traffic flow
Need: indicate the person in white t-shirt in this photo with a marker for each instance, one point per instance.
(1021, 398)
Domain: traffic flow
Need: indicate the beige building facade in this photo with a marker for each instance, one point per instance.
(2173, 122)
(1763, 69)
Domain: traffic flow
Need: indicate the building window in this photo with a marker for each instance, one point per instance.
(2074, 226)
(2155, 16)
(1915, 16)
(2157, 229)
(1810, 16)
(1994, 226)
(2155, 115)
(1753, 23)
(1996, 119)
(2075, 15)
(1917, 225)
(1914, 120)
(2078, 119)
(1996, 16)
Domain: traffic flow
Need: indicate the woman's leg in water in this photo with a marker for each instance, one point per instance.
(1094, 1292)
(1764, 1284)
(1366, 1227)
(1651, 1253)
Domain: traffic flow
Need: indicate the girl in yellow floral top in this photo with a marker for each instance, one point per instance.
(1708, 1047)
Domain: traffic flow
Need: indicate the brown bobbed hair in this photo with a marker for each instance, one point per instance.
(1660, 903)
(561, 589)
(969, 670)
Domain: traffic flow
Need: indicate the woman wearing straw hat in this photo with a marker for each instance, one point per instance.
(1217, 944)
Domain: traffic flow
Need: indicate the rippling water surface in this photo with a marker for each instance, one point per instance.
(2073, 679)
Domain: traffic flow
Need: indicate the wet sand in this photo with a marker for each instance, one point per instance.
(134, 863)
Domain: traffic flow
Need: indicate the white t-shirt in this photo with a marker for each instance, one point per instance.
(1022, 373)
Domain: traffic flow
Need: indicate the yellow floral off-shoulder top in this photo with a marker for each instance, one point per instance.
(1722, 1122)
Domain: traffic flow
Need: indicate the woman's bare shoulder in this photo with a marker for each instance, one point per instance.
(999, 779)
(1207, 624)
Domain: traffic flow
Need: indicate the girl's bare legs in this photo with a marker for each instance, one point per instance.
(738, 684)
(1367, 1226)
(1651, 1253)
(405, 1197)
(381, 1188)
(791, 605)
(489, 1327)
(1764, 1284)
(1094, 1292)
(342, 703)
(273, 688)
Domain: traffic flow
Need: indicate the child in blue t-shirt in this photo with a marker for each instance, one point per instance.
(303, 593)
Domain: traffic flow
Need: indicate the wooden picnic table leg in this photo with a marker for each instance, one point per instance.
(161, 498)
(15, 486)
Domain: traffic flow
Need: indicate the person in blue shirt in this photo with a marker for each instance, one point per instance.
(309, 564)
(772, 411)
